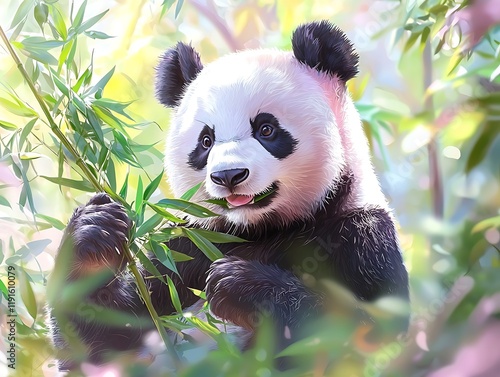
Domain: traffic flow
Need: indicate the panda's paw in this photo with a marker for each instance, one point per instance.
(236, 290)
(225, 283)
(97, 233)
(245, 292)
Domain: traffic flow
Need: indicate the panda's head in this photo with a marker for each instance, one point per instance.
(263, 129)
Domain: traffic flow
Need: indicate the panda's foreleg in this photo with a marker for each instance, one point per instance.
(92, 249)
(368, 258)
(245, 292)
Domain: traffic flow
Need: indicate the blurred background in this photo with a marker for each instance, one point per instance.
(428, 92)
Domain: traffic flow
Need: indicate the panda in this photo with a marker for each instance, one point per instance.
(275, 138)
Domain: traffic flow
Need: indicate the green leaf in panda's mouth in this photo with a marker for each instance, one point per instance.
(219, 202)
(257, 198)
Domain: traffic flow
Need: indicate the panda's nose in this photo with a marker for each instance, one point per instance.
(229, 178)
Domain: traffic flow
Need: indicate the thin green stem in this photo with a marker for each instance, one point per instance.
(139, 279)
(436, 182)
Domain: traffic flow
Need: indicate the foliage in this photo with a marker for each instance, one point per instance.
(432, 119)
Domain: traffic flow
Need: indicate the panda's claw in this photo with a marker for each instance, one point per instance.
(96, 234)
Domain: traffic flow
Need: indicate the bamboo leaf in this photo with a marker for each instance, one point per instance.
(138, 197)
(65, 52)
(111, 174)
(411, 41)
(180, 257)
(167, 215)
(30, 250)
(41, 13)
(124, 189)
(58, 21)
(492, 222)
(52, 221)
(174, 295)
(454, 62)
(187, 207)
(178, 7)
(107, 117)
(97, 35)
(117, 107)
(149, 266)
(217, 237)
(26, 131)
(166, 234)
(40, 55)
(60, 85)
(496, 72)
(3, 288)
(40, 43)
(219, 202)
(27, 294)
(17, 108)
(22, 12)
(81, 80)
(102, 82)
(203, 326)
(95, 124)
(481, 145)
(152, 186)
(199, 293)
(425, 35)
(165, 6)
(77, 22)
(205, 246)
(29, 155)
(149, 225)
(161, 252)
(124, 155)
(439, 46)
(91, 22)
(188, 195)
(8, 126)
(83, 185)
(4, 202)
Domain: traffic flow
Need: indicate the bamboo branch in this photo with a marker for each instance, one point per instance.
(139, 280)
(435, 178)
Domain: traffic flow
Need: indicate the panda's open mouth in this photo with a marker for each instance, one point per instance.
(262, 199)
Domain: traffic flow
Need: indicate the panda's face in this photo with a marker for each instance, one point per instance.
(258, 129)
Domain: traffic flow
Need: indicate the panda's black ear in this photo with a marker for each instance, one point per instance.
(177, 68)
(324, 47)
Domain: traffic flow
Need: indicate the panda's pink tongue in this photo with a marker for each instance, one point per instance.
(239, 200)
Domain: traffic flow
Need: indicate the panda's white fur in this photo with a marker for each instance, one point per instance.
(312, 106)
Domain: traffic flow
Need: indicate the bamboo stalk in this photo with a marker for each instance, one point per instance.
(139, 280)
(436, 182)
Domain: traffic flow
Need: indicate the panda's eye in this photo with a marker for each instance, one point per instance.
(206, 142)
(266, 130)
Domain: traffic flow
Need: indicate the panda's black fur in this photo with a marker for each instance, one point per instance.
(357, 247)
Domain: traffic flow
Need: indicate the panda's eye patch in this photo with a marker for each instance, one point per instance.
(206, 142)
(266, 130)
(198, 157)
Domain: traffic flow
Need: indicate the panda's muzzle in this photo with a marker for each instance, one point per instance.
(229, 178)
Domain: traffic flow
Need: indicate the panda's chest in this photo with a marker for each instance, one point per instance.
(299, 252)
